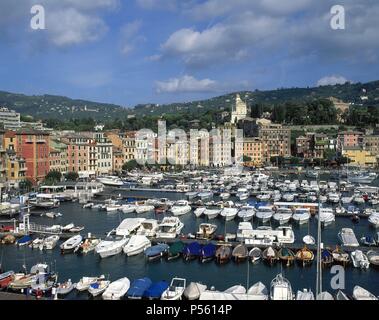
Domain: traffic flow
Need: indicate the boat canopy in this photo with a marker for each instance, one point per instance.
(176, 248)
(156, 289)
(138, 287)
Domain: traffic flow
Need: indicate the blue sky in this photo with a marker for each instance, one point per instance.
(159, 51)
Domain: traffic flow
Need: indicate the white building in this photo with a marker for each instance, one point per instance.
(239, 111)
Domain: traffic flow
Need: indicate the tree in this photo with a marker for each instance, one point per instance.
(26, 185)
(53, 176)
(246, 159)
(130, 165)
(72, 176)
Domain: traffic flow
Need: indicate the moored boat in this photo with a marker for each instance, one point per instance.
(223, 254)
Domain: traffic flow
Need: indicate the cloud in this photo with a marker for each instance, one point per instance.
(158, 4)
(129, 36)
(331, 80)
(185, 83)
(71, 27)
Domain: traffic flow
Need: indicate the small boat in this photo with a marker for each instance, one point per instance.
(355, 218)
(65, 287)
(223, 254)
(347, 238)
(97, 288)
(148, 228)
(287, 255)
(368, 241)
(340, 295)
(199, 211)
(85, 282)
(138, 287)
(229, 213)
(325, 295)
(340, 256)
(326, 258)
(206, 231)
(373, 257)
(89, 244)
(235, 290)
(53, 215)
(326, 216)
(24, 241)
(6, 278)
(194, 290)
(71, 244)
(49, 243)
(305, 294)
(258, 291)
(224, 195)
(156, 290)
(360, 260)
(246, 213)
(169, 228)
(156, 251)
(175, 250)
(360, 293)
(283, 215)
(309, 240)
(255, 254)
(192, 251)
(240, 253)
(36, 243)
(212, 213)
(208, 252)
(305, 256)
(180, 208)
(264, 213)
(143, 209)
(136, 245)
(117, 289)
(111, 246)
(127, 208)
(270, 255)
(280, 288)
(373, 219)
(175, 290)
(301, 215)
(88, 205)
(191, 195)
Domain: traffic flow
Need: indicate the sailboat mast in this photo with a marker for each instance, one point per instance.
(319, 271)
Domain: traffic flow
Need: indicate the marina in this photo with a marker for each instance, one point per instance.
(135, 256)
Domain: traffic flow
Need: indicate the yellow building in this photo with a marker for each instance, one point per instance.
(252, 148)
(360, 157)
(15, 168)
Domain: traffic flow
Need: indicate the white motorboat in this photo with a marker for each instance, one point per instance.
(360, 293)
(246, 213)
(127, 208)
(373, 219)
(360, 260)
(144, 208)
(97, 288)
(280, 288)
(36, 243)
(301, 215)
(53, 215)
(129, 226)
(148, 228)
(264, 213)
(113, 207)
(175, 290)
(309, 240)
(117, 289)
(136, 245)
(340, 210)
(85, 282)
(229, 213)
(194, 290)
(50, 242)
(180, 208)
(326, 216)
(88, 244)
(206, 231)
(110, 181)
(288, 197)
(111, 246)
(199, 211)
(212, 213)
(305, 294)
(243, 194)
(65, 287)
(282, 215)
(347, 237)
(325, 295)
(258, 291)
(224, 195)
(264, 197)
(334, 197)
(169, 228)
(244, 231)
(347, 200)
(70, 244)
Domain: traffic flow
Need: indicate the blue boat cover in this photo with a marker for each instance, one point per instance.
(209, 250)
(24, 239)
(138, 287)
(156, 290)
(156, 250)
(194, 248)
(252, 202)
(261, 204)
(95, 285)
(325, 254)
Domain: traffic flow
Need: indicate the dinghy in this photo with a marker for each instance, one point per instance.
(246, 213)
(373, 257)
(270, 255)
(282, 215)
(65, 287)
(156, 290)
(255, 254)
(199, 212)
(212, 213)
(287, 256)
(305, 256)
(97, 288)
(6, 278)
(301, 215)
(50, 242)
(360, 260)
(156, 252)
(229, 213)
(340, 295)
(309, 240)
(180, 208)
(340, 256)
(194, 290)
(89, 244)
(24, 241)
(208, 252)
(360, 293)
(223, 254)
(326, 258)
(138, 287)
(240, 253)
(175, 290)
(136, 245)
(85, 282)
(71, 244)
(117, 289)
(36, 243)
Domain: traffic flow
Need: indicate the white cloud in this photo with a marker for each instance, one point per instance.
(331, 80)
(186, 83)
(70, 27)
(158, 4)
(129, 36)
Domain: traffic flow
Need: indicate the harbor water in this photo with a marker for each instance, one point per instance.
(221, 277)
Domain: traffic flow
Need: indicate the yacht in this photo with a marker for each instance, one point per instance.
(148, 228)
(283, 215)
(136, 245)
(111, 245)
(180, 208)
(128, 226)
(264, 213)
(280, 289)
(169, 228)
(301, 215)
(110, 181)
